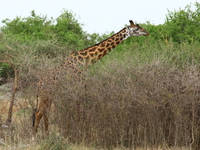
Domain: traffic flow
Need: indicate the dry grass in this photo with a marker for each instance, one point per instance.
(130, 102)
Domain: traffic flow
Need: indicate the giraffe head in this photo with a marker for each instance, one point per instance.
(135, 30)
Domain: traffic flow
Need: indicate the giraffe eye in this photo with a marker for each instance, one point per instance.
(137, 29)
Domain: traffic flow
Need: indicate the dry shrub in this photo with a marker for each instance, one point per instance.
(131, 106)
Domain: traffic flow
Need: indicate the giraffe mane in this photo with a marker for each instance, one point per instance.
(102, 41)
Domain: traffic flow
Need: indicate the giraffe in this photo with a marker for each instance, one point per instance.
(75, 64)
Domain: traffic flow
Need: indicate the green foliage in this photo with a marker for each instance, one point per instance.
(96, 38)
(65, 28)
(68, 30)
(28, 28)
(170, 55)
(180, 26)
(54, 142)
(6, 70)
(184, 25)
(157, 32)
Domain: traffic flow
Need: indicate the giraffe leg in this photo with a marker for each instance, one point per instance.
(46, 123)
(46, 115)
(42, 112)
(38, 117)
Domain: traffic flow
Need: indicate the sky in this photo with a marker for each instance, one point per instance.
(100, 16)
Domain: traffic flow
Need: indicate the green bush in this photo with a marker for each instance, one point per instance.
(54, 142)
(180, 26)
(69, 30)
(28, 28)
(65, 28)
(6, 71)
(184, 24)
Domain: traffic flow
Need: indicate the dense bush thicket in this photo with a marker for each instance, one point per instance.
(180, 26)
(149, 106)
(144, 94)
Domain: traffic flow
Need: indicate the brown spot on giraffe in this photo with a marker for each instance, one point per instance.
(91, 50)
(74, 64)
(100, 50)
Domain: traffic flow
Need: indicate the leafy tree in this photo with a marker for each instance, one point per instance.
(21, 58)
(68, 30)
(16, 57)
(32, 27)
(180, 26)
(96, 38)
(184, 24)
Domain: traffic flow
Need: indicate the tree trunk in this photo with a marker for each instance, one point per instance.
(15, 87)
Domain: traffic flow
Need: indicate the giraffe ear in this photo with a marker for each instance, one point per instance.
(131, 22)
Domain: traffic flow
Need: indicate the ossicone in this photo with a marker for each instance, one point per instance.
(131, 21)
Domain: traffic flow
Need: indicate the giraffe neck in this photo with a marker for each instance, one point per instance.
(91, 54)
(85, 57)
